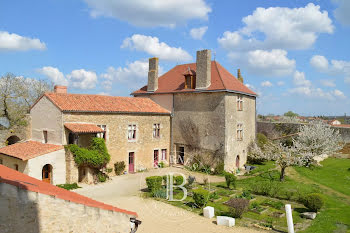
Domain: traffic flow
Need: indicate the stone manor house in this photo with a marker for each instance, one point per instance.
(192, 111)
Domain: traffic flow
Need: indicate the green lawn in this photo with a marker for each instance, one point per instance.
(334, 173)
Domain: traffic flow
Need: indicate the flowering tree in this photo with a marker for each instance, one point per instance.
(317, 139)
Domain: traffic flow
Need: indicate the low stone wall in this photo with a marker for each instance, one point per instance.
(25, 211)
(278, 129)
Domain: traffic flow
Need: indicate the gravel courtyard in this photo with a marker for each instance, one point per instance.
(157, 217)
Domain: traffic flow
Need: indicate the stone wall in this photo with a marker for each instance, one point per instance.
(22, 132)
(278, 129)
(46, 116)
(11, 162)
(72, 170)
(25, 211)
(247, 117)
(117, 141)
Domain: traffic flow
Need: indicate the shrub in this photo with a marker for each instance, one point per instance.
(109, 170)
(205, 181)
(200, 197)
(230, 180)
(313, 202)
(179, 180)
(161, 165)
(246, 194)
(164, 179)
(237, 206)
(96, 156)
(214, 196)
(261, 140)
(161, 193)
(119, 168)
(275, 204)
(69, 186)
(220, 169)
(154, 183)
(102, 177)
(191, 180)
(266, 188)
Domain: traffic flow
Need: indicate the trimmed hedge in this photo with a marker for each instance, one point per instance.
(313, 202)
(230, 180)
(179, 180)
(154, 183)
(201, 197)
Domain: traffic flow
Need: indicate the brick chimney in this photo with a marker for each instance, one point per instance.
(239, 76)
(153, 74)
(60, 89)
(203, 71)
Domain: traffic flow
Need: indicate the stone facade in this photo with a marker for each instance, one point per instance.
(117, 141)
(25, 211)
(22, 132)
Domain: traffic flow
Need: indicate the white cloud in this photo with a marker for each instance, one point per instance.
(300, 80)
(328, 82)
(339, 94)
(11, 41)
(317, 93)
(198, 33)
(265, 63)
(280, 83)
(54, 75)
(151, 13)
(319, 62)
(133, 75)
(282, 28)
(266, 84)
(83, 79)
(342, 12)
(347, 80)
(152, 46)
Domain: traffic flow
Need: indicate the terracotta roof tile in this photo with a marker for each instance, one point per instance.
(173, 81)
(100, 103)
(29, 149)
(83, 128)
(18, 179)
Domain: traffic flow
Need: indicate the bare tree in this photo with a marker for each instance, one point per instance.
(317, 139)
(17, 94)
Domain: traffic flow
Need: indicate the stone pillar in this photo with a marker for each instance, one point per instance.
(203, 70)
(72, 171)
(153, 75)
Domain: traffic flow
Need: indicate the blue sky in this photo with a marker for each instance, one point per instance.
(295, 54)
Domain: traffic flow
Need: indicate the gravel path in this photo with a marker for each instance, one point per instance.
(157, 217)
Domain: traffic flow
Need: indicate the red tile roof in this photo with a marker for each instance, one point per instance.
(29, 149)
(342, 126)
(18, 179)
(83, 128)
(173, 81)
(100, 103)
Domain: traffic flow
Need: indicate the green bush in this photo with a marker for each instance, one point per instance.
(214, 196)
(313, 202)
(237, 206)
(275, 204)
(109, 170)
(154, 183)
(164, 179)
(119, 168)
(261, 140)
(266, 188)
(220, 169)
(161, 193)
(246, 194)
(200, 197)
(230, 180)
(69, 186)
(179, 180)
(102, 177)
(161, 165)
(96, 157)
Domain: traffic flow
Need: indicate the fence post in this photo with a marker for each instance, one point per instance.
(289, 218)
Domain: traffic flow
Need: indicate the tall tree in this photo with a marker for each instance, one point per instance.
(17, 94)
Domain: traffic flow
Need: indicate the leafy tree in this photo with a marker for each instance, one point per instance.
(291, 114)
(18, 94)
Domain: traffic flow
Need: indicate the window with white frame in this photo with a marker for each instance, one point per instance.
(102, 135)
(239, 103)
(156, 130)
(131, 132)
(239, 132)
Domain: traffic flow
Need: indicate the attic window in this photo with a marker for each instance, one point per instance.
(190, 79)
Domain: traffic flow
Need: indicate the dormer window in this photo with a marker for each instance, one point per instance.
(190, 79)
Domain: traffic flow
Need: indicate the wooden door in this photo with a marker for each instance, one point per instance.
(156, 157)
(47, 173)
(131, 162)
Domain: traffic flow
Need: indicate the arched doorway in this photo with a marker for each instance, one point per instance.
(12, 140)
(237, 161)
(47, 173)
